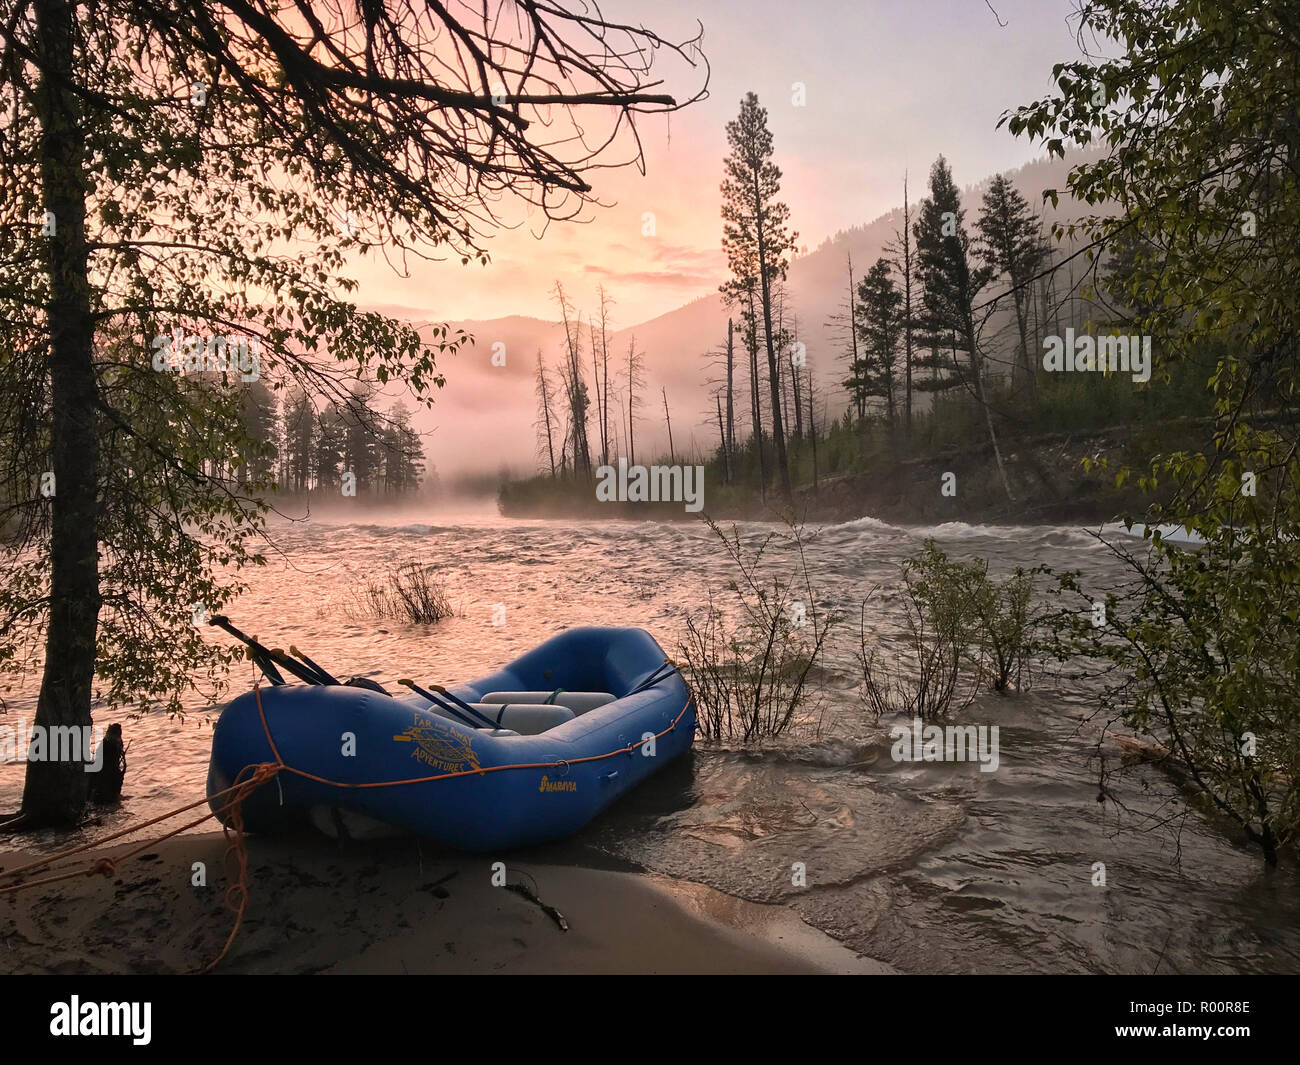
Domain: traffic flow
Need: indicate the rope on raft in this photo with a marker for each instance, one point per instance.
(236, 895)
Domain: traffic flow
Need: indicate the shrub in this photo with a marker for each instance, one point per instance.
(407, 592)
(1002, 612)
(751, 675)
(1206, 639)
(930, 676)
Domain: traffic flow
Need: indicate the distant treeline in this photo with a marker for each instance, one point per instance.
(941, 347)
(310, 450)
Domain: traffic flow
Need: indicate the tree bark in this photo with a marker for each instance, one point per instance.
(672, 454)
(774, 380)
(55, 791)
(731, 405)
(907, 312)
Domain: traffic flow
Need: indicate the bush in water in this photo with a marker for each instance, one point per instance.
(959, 628)
(749, 663)
(408, 592)
(1206, 644)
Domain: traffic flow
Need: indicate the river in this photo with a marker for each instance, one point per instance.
(932, 867)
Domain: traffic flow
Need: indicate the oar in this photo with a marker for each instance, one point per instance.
(325, 677)
(299, 670)
(465, 706)
(662, 673)
(265, 664)
(465, 718)
(268, 653)
(259, 654)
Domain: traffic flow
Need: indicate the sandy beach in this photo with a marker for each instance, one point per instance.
(394, 906)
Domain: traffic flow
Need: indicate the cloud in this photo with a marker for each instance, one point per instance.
(681, 254)
(676, 279)
(677, 266)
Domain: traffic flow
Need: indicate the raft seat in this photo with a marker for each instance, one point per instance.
(525, 720)
(528, 719)
(578, 702)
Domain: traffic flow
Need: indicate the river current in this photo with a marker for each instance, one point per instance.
(929, 866)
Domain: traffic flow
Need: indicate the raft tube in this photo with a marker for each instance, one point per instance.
(496, 788)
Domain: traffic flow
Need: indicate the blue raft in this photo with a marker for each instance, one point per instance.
(521, 773)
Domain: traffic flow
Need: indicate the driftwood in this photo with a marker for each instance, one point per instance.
(550, 911)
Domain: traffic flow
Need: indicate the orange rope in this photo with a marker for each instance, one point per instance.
(236, 895)
(257, 694)
(45, 863)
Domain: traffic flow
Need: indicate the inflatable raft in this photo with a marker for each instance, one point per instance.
(530, 753)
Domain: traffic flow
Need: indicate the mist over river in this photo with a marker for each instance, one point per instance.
(930, 867)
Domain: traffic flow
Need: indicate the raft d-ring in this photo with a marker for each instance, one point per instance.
(563, 766)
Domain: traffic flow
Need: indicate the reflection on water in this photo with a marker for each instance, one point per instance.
(929, 866)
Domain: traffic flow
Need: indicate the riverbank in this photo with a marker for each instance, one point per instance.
(1054, 479)
(394, 906)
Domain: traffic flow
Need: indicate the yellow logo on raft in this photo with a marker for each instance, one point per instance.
(439, 746)
(558, 785)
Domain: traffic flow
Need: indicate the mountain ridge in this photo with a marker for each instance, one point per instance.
(675, 344)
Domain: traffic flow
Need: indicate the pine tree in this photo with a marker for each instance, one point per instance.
(258, 415)
(327, 450)
(299, 420)
(1012, 250)
(845, 324)
(952, 280)
(757, 240)
(879, 326)
(905, 263)
(360, 435)
(399, 459)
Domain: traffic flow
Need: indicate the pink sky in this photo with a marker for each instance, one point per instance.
(890, 84)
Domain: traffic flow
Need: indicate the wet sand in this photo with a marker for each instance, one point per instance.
(393, 906)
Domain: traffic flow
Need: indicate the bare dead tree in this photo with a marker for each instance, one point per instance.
(602, 376)
(634, 379)
(575, 387)
(545, 421)
(672, 453)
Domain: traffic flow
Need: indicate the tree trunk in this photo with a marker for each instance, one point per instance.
(722, 436)
(55, 791)
(731, 405)
(797, 399)
(765, 294)
(756, 406)
(631, 397)
(859, 399)
(669, 420)
(907, 313)
(812, 430)
(978, 369)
